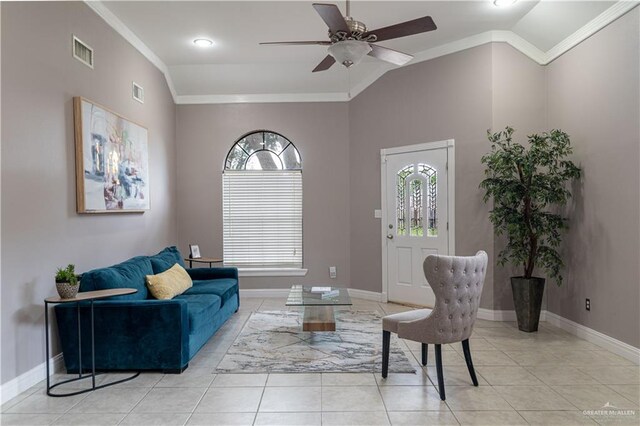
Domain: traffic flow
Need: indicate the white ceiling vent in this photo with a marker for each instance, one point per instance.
(138, 92)
(82, 52)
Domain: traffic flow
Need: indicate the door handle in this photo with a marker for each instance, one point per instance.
(390, 236)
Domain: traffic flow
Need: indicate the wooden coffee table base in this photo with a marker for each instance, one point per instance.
(319, 318)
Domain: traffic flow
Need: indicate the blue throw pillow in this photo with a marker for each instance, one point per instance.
(166, 259)
(128, 274)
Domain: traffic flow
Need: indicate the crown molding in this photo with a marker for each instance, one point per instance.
(261, 98)
(543, 58)
(590, 28)
(476, 40)
(102, 11)
(520, 44)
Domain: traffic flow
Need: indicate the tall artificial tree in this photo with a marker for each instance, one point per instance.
(528, 186)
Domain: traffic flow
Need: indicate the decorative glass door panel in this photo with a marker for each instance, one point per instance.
(417, 201)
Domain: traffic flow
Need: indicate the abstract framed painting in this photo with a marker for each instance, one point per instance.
(112, 161)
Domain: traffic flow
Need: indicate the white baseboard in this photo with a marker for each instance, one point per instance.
(495, 315)
(16, 386)
(367, 295)
(267, 292)
(597, 338)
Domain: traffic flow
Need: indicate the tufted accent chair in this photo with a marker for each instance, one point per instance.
(457, 283)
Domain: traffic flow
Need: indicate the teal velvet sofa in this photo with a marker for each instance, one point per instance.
(138, 332)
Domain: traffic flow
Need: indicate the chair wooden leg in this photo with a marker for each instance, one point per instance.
(439, 370)
(425, 348)
(467, 358)
(386, 338)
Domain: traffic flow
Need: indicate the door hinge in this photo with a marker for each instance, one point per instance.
(447, 226)
(446, 167)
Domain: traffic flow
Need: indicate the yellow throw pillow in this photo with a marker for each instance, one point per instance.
(170, 283)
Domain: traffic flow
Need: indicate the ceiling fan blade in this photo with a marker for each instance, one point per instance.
(297, 43)
(389, 55)
(325, 64)
(331, 16)
(416, 26)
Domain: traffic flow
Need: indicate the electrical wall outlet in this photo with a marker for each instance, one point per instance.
(587, 304)
(332, 272)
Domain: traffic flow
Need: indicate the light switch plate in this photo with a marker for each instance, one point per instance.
(377, 213)
(332, 272)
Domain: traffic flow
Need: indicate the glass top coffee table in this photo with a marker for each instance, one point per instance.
(318, 303)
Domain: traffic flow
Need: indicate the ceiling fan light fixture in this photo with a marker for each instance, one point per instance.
(349, 52)
(503, 3)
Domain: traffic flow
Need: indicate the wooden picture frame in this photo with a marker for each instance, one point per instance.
(112, 161)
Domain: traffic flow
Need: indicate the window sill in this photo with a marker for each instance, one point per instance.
(272, 272)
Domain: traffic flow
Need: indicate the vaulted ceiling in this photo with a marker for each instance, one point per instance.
(237, 68)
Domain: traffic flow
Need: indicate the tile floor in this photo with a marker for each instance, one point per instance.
(549, 377)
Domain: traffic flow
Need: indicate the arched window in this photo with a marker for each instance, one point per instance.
(263, 151)
(262, 202)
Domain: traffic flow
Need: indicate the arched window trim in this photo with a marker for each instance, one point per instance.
(289, 145)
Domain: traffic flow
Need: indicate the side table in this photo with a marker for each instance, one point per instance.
(209, 260)
(87, 296)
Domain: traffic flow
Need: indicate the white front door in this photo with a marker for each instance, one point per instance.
(416, 216)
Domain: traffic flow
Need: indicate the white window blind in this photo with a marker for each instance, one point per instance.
(262, 218)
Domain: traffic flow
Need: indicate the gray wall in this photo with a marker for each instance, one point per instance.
(320, 131)
(40, 229)
(444, 98)
(593, 95)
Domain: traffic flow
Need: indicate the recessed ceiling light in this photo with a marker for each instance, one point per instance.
(203, 42)
(503, 3)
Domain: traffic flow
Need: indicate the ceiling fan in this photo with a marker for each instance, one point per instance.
(349, 40)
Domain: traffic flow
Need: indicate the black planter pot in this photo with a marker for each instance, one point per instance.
(527, 298)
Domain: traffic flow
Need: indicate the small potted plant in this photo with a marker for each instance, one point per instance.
(528, 188)
(67, 282)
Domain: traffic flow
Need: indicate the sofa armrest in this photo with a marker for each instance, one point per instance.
(212, 273)
(129, 335)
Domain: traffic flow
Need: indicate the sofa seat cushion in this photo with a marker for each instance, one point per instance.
(226, 288)
(128, 274)
(201, 309)
(166, 259)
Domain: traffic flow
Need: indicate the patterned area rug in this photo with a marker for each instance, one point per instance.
(273, 342)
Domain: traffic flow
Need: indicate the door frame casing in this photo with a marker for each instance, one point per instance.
(449, 144)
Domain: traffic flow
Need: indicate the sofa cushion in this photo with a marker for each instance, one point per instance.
(128, 274)
(170, 283)
(166, 259)
(226, 288)
(201, 309)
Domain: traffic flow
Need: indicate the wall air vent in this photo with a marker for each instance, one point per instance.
(138, 92)
(82, 52)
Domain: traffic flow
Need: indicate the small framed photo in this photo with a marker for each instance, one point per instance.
(194, 251)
